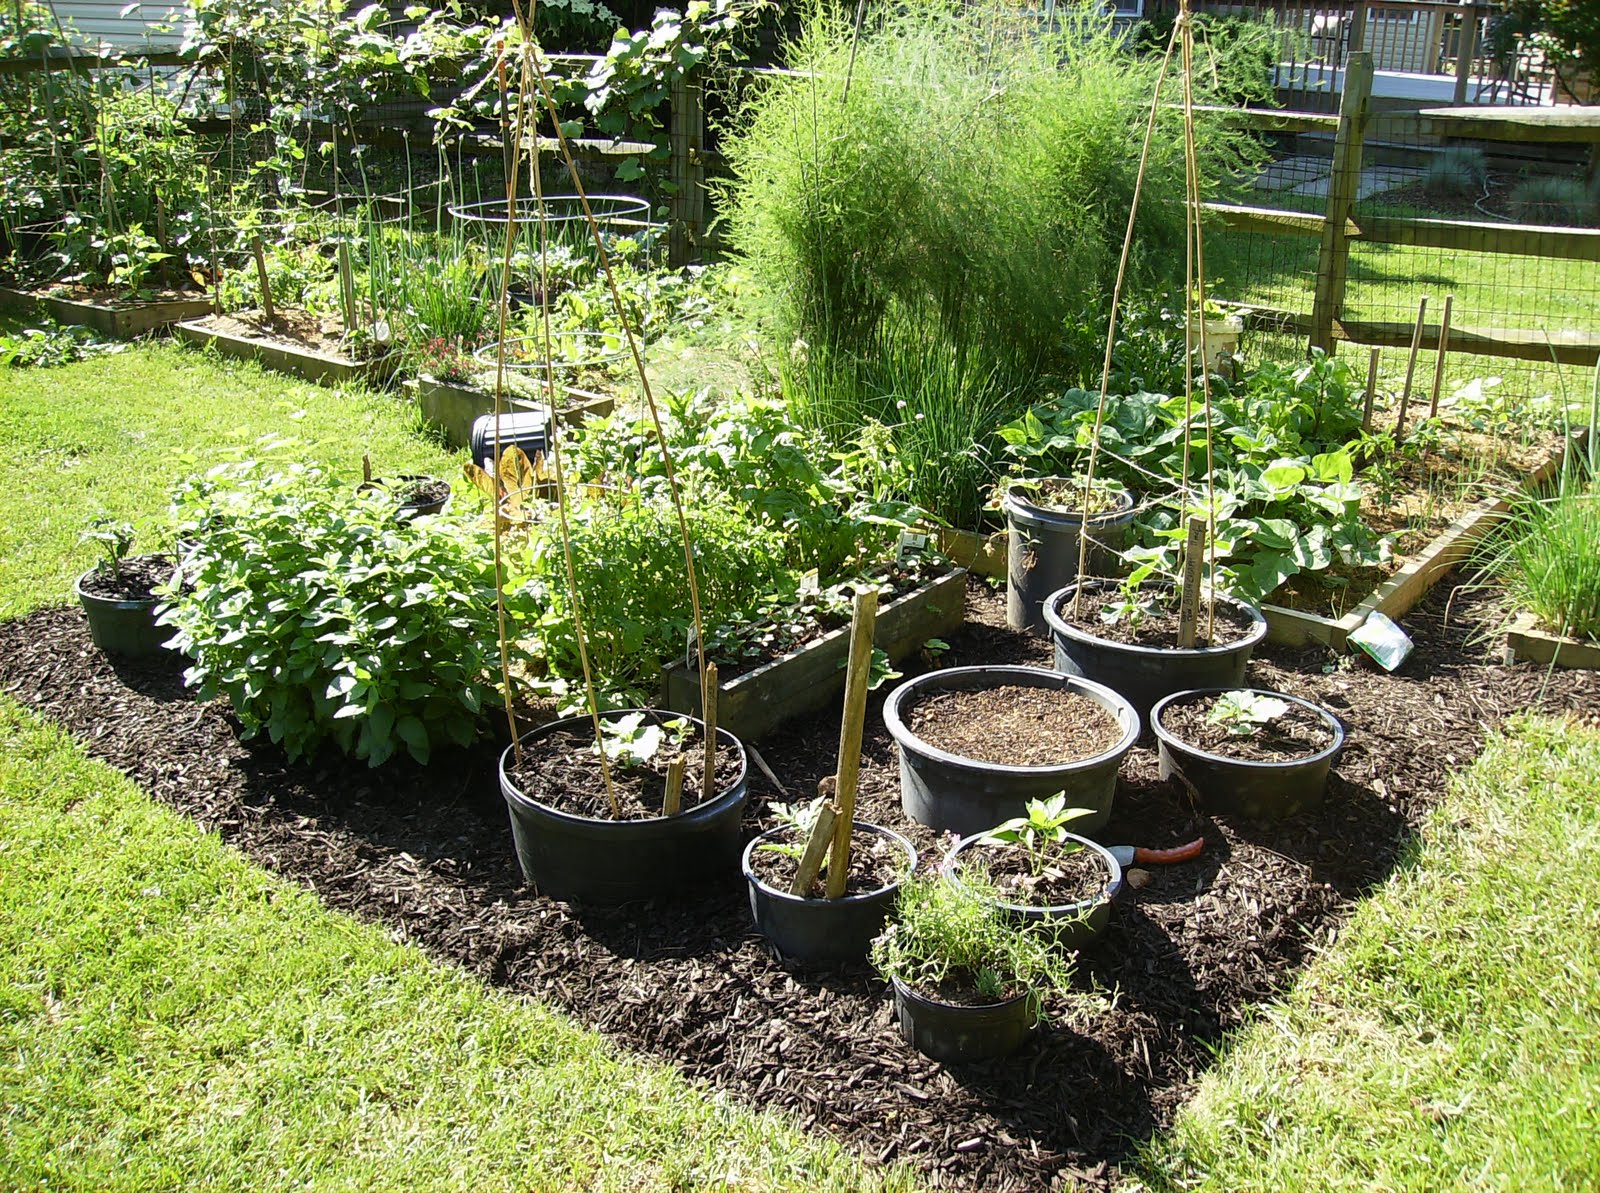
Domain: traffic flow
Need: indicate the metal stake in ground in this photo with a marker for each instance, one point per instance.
(1411, 368)
(862, 625)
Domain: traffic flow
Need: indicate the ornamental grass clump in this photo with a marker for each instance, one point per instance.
(323, 619)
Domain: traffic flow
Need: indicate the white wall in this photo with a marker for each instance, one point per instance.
(156, 24)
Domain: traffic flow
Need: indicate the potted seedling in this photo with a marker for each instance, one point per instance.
(1246, 751)
(413, 495)
(1045, 516)
(784, 867)
(967, 979)
(118, 594)
(977, 743)
(1040, 870)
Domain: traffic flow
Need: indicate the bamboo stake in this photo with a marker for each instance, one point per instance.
(1194, 560)
(1411, 368)
(862, 624)
(818, 844)
(708, 714)
(261, 275)
(672, 798)
(347, 287)
(1372, 389)
(1438, 364)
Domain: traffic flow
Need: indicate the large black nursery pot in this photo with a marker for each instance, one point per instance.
(601, 861)
(952, 1032)
(1144, 674)
(1075, 924)
(824, 929)
(126, 628)
(1042, 551)
(965, 795)
(1257, 789)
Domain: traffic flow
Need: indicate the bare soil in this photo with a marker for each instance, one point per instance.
(1013, 724)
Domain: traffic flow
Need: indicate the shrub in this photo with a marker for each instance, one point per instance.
(1550, 200)
(1457, 170)
(322, 618)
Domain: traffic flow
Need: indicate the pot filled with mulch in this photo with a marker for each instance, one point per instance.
(579, 841)
(1128, 640)
(977, 743)
(413, 496)
(1045, 520)
(1246, 751)
(119, 598)
(807, 926)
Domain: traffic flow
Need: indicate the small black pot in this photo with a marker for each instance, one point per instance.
(1255, 789)
(1144, 674)
(600, 861)
(1075, 924)
(963, 795)
(1042, 552)
(949, 1032)
(126, 628)
(823, 929)
(408, 509)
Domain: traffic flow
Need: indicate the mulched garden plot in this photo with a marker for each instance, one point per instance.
(427, 853)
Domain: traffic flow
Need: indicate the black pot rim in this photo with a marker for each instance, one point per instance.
(1083, 907)
(1112, 701)
(1011, 503)
(773, 892)
(1252, 637)
(912, 994)
(149, 602)
(1173, 741)
(706, 809)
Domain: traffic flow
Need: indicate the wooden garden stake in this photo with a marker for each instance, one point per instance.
(1194, 561)
(1411, 368)
(818, 844)
(862, 624)
(672, 798)
(1438, 364)
(708, 714)
(366, 468)
(347, 287)
(1372, 389)
(261, 276)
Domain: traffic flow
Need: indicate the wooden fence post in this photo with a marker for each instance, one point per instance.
(1333, 262)
(687, 140)
(1466, 52)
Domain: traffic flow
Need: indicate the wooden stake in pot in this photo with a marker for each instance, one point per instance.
(1411, 368)
(818, 843)
(1194, 553)
(1444, 347)
(672, 798)
(862, 625)
(708, 714)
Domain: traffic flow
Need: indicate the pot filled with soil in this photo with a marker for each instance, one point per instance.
(1129, 640)
(574, 844)
(1246, 751)
(1045, 518)
(121, 605)
(809, 927)
(413, 496)
(967, 979)
(977, 743)
(1040, 871)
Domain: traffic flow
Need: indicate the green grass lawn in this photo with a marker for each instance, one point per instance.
(1450, 1039)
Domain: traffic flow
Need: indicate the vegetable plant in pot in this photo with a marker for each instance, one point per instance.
(967, 979)
(413, 495)
(977, 743)
(837, 921)
(1040, 870)
(1246, 751)
(628, 816)
(1044, 518)
(1126, 636)
(118, 593)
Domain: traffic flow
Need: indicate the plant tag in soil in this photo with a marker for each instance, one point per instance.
(912, 545)
(688, 650)
(811, 582)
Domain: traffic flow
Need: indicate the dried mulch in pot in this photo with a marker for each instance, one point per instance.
(1013, 724)
(1296, 732)
(1154, 623)
(876, 861)
(136, 579)
(1065, 878)
(426, 853)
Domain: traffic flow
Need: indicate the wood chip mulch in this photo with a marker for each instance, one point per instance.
(426, 853)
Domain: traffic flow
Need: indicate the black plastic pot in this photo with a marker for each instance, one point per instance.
(123, 627)
(963, 795)
(1042, 551)
(407, 509)
(823, 929)
(1076, 924)
(1144, 674)
(1255, 789)
(601, 861)
(949, 1032)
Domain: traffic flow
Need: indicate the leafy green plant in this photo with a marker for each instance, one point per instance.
(1041, 835)
(49, 345)
(633, 739)
(945, 932)
(323, 619)
(1244, 712)
(800, 819)
(880, 671)
(115, 540)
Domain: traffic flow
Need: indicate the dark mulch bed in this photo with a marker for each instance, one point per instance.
(426, 853)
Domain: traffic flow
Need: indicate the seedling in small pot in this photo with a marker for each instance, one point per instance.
(630, 741)
(115, 540)
(1242, 713)
(1042, 835)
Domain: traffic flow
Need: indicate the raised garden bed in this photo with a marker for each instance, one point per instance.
(1399, 594)
(113, 319)
(753, 704)
(453, 408)
(1526, 642)
(291, 347)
